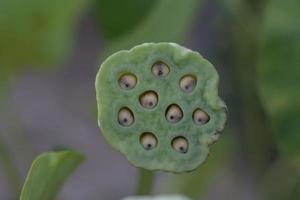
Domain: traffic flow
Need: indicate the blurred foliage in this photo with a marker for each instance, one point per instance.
(34, 32)
(11, 171)
(280, 73)
(116, 17)
(48, 173)
(158, 197)
(281, 182)
(168, 21)
(254, 136)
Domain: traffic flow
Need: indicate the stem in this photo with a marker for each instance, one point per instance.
(19, 139)
(260, 147)
(9, 168)
(145, 182)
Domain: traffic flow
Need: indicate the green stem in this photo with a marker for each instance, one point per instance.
(9, 168)
(145, 182)
(17, 136)
(259, 142)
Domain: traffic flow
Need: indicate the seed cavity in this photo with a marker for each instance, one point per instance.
(200, 117)
(149, 99)
(174, 113)
(180, 144)
(148, 140)
(160, 69)
(188, 83)
(125, 117)
(127, 81)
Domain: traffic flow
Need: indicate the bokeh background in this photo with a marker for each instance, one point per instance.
(50, 52)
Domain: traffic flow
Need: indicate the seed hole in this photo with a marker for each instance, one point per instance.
(188, 83)
(148, 99)
(125, 117)
(160, 69)
(200, 117)
(174, 113)
(127, 81)
(148, 140)
(180, 144)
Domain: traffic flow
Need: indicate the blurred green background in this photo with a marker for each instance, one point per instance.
(50, 53)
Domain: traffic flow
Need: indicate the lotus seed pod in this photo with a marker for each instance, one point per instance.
(160, 197)
(158, 105)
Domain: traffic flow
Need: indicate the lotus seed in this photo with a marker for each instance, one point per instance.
(180, 144)
(174, 113)
(160, 69)
(149, 99)
(188, 83)
(127, 81)
(125, 117)
(200, 117)
(148, 141)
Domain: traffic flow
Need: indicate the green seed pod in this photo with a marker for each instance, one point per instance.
(158, 104)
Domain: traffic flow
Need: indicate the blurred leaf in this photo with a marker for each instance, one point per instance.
(117, 17)
(168, 21)
(3, 82)
(159, 197)
(60, 147)
(280, 73)
(281, 182)
(36, 32)
(48, 173)
(193, 184)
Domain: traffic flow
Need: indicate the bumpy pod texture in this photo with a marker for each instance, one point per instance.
(158, 104)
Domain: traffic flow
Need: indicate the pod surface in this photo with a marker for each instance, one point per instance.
(139, 61)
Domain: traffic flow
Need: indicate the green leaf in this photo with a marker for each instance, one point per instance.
(36, 32)
(279, 74)
(48, 173)
(117, 17)
(169, 21)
